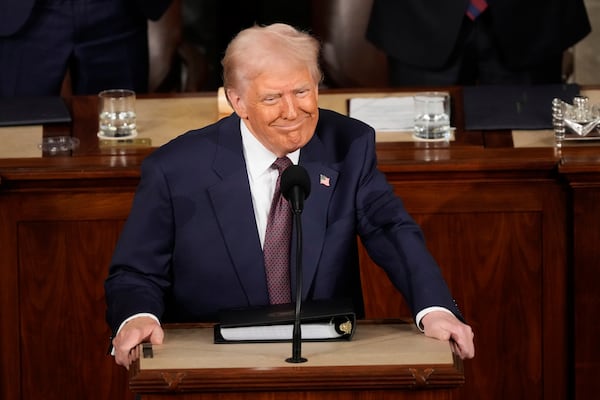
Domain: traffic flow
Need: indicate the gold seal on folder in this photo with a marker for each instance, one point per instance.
(346, 327)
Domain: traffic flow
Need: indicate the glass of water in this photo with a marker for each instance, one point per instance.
(432, 115)
(117, 118)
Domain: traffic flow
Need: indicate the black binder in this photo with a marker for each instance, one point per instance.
(508, 107)
(321, 320)
(15, 111)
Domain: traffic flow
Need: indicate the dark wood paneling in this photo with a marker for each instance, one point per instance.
(481, 256)
(59, 226)
(56, 247)
(311, 395)
(491, 241)
(10, 383)
(586, 285)
(62, 267)
(582, 172)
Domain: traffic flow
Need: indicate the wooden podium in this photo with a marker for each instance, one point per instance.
(383, 361)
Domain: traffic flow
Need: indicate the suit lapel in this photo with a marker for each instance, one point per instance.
(232, 203)
(314, 217)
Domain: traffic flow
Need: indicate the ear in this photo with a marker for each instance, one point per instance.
(237, 103)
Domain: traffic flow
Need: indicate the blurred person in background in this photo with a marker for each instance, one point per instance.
(468, 42)
(101, 43)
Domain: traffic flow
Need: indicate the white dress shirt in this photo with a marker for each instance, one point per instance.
(262, 176)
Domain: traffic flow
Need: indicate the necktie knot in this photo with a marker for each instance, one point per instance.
(281, 164)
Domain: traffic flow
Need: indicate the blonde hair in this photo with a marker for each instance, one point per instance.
(252, 51)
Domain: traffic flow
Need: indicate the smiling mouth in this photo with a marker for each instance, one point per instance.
(291, 126)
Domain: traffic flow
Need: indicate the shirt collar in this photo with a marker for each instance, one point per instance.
(258, 158)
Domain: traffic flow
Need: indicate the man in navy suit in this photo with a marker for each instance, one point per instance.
(192, 244)
(442, 42)
(103, 43)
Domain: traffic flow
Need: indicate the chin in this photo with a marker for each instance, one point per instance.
(299, 141)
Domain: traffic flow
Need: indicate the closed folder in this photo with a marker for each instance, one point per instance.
(320, 320)
(508, 107)
(15, 111)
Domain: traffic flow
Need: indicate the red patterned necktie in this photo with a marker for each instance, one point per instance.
(276, 248)
(475, 8)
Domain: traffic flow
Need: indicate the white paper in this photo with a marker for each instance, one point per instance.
(280, 332)
(385, 114)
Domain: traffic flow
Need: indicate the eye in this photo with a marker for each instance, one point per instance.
(270, 99)
(302, 92)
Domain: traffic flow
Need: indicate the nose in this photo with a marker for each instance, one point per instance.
(289, 107)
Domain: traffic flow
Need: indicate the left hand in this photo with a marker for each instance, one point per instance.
(445, 326)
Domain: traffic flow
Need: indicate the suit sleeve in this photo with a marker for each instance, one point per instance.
(139, 274)
(395, 242)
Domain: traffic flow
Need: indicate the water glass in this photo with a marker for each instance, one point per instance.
(432, 115)
(117, 118)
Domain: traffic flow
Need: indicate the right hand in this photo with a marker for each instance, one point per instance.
(134, 332)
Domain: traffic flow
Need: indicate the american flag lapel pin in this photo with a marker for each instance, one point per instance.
(324, 180)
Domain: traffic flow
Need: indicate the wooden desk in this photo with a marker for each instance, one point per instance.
(383, 360)
(512, 229)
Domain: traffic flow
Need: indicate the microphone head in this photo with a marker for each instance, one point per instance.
(294, 176)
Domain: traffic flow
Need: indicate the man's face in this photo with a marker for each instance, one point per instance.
(280, 107)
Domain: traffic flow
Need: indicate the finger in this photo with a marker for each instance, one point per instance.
(463, 347)
(121, 353)
(456, 349)
(130, 358)
(124, 344)
(157, 335)
(133, 355)
(122, 358)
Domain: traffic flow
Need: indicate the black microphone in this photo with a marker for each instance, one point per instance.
(295, 187)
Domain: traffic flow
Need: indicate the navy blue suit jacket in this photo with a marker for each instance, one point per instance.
(190, 245)
(15, 13)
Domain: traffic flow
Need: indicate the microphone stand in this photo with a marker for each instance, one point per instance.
(297, 333)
